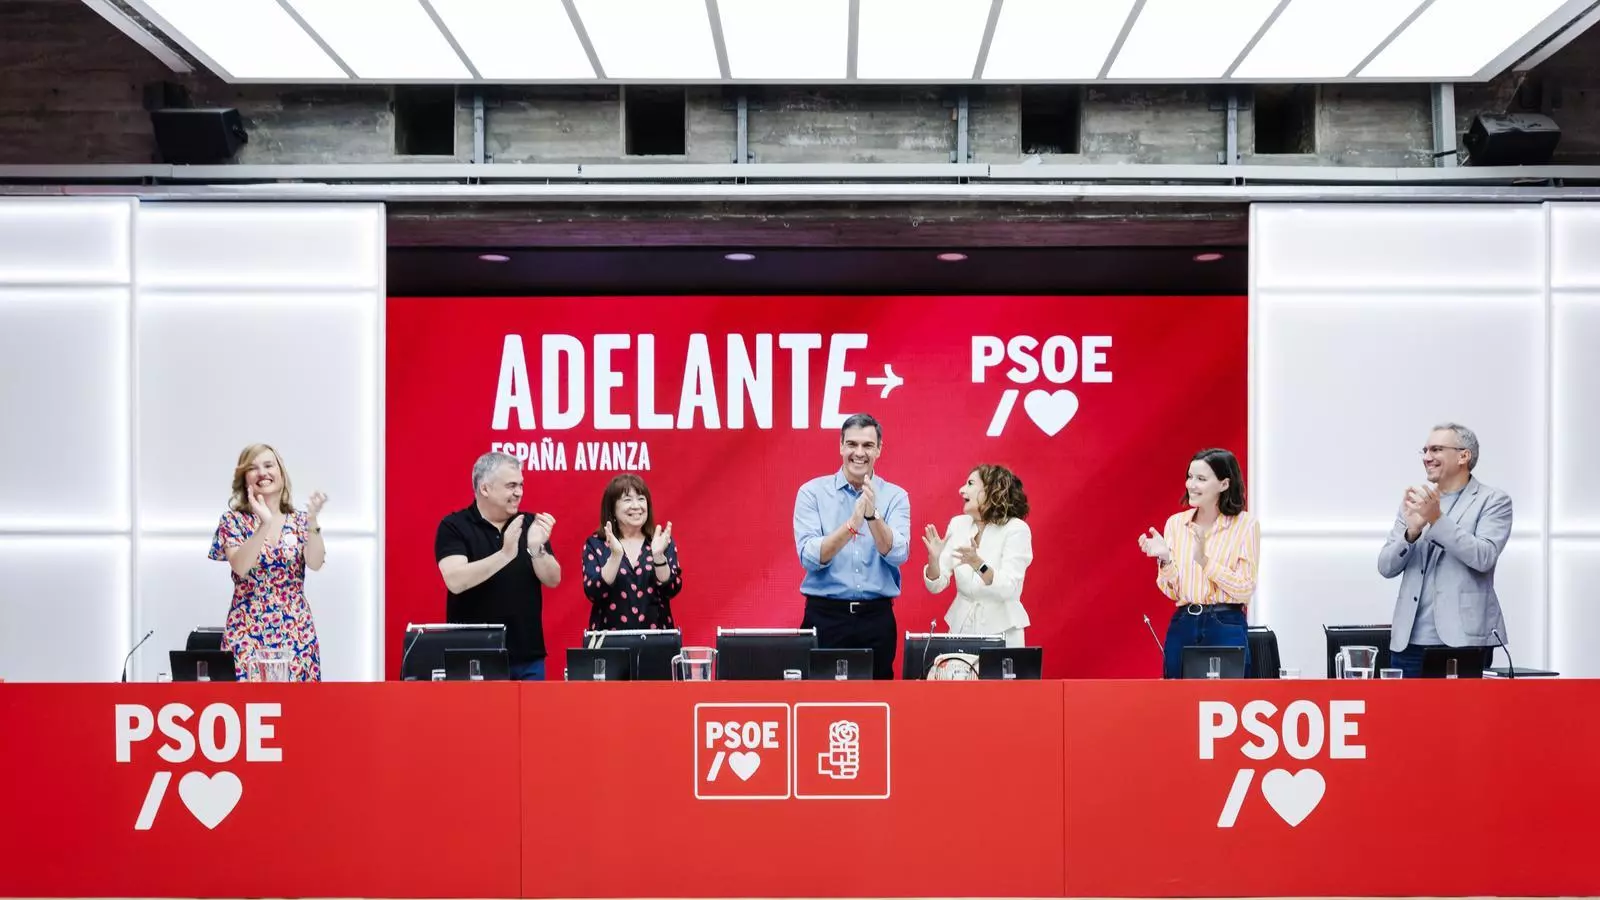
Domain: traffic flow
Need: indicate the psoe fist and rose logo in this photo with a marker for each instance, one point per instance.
(1293, 788)
(807, 751)
(218, 733)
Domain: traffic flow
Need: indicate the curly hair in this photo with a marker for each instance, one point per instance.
(1003, 495)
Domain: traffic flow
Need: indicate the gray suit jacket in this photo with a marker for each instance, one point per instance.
(1464, 546)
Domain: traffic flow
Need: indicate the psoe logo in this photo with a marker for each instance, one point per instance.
(209, 798)
(1301, 733)
(1058, 359)
(803, 751)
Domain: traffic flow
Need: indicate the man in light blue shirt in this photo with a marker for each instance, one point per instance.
(852, 530)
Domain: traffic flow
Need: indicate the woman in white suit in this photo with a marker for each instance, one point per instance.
(986, 551)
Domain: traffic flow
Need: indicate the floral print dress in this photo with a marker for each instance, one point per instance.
(269, 605)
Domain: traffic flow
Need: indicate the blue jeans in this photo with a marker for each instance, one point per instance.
(1409, 660)
(1215, 626)
(530, 671)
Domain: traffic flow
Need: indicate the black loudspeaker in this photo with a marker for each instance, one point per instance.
(1525, 139)
(197, 137)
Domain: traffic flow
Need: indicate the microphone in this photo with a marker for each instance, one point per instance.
(133, 651)
(1153, 636)
(933, 624)
(1511, 668)
(415, 635)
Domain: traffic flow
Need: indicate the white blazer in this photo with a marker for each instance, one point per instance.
(985, 608)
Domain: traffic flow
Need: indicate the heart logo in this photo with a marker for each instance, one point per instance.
(744, 763)
(1293, 796)
(212, 798)
(1051, 411)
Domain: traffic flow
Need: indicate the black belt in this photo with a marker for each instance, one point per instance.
(853, 607)
(1195, 609)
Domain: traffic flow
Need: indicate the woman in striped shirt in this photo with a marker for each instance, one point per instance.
(1206, 560)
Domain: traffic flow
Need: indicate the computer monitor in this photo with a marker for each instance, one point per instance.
(186, 665)
(425, 646)
(857, 663)
(1026, 663)
(1341, 636)
(653, 649)
(1469, 662)
(582, 664)
(763, 654)
(206, 637)
(922, 649)
(493, 665)
(1197, 661)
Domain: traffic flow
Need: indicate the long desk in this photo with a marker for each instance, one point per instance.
(813, 789)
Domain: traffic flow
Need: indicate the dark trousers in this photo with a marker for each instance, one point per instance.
(528, 671)
(1215, 626)
(1409, 660)
(854, 624)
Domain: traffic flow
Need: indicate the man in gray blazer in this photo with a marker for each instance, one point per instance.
(1445, 543)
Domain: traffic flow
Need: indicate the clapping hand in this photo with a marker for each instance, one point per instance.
(314, 506)
(613, 542)
(658, 544)
(512, 536)
(934, 543)
(258, 506)
(1423, 502)
(1155, 546)
(967, 554)
(543, 525)
(867, 503)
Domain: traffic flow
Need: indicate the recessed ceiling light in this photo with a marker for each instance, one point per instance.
(739, 257)
(951, 257)
(1207, 257)
(494, 257)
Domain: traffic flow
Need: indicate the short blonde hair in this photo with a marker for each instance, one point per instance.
(240, 501)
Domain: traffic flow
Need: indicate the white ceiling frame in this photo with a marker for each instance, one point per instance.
(1547, 35)
(141, 36)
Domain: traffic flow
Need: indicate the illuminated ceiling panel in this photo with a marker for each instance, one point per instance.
(886, 41)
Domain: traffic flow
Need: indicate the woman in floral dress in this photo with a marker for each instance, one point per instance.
(269, 545)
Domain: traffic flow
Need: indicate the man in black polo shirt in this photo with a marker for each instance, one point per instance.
(494, 557)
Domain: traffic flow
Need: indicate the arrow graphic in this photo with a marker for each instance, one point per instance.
(889, 381)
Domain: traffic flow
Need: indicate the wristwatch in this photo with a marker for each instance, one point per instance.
(983, 568)
(871, 518)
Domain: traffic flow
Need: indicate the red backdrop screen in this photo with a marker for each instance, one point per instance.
(726, 405)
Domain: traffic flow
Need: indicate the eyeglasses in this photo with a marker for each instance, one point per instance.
(1436, 450)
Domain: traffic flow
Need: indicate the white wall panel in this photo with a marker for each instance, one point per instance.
(1349, 384)
(1309, 582)
(220, 371)
(1574, 607)
(181, 588)
(63, 608)
(62, 240)
(1392, 246)
(260, 246)
(1574, 246)
(64, 389)
(1372, 322)
(1575, 430)
(130, 385)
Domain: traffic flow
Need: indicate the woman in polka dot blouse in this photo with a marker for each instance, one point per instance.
(630, 564)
